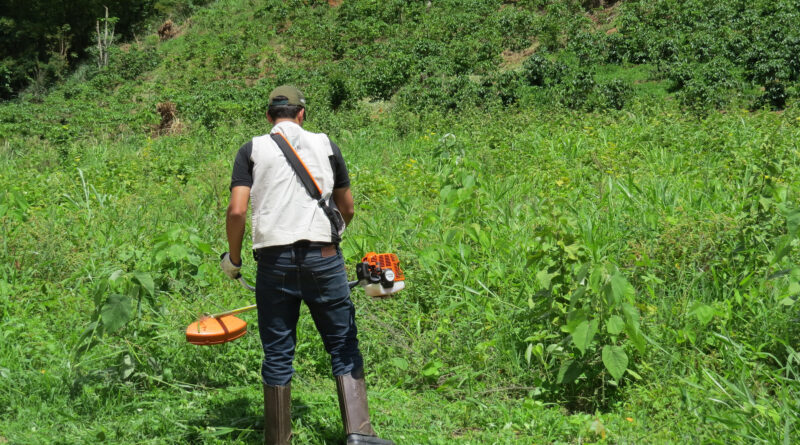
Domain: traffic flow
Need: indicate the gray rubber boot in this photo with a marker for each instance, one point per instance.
(277, 414)
(355, 413)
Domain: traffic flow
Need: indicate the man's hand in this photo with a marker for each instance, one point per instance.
(230, 269)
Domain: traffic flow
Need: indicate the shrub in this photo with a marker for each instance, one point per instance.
(539, 71)
(774, 96)
(576, 89)
(699, 96)
(133, 63)
(446, 94)
(516, 28)
(506, 86)
(385, 76)
(588, 48)
(679, 74)
(615, 48)
(614, 94)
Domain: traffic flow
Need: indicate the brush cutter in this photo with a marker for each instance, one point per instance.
(378, 273)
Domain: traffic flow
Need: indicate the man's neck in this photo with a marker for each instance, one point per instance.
(286, 119)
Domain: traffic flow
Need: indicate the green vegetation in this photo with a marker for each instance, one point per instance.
(596, 207)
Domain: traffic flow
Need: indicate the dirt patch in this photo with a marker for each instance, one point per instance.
(514, 59)
(334, 3)
(167, 30)
(170, 124)
(604, 13)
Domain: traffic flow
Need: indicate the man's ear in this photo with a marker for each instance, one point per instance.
(269, 118)
(301, 116)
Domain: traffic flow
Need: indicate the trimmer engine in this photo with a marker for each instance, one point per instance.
(380, 274)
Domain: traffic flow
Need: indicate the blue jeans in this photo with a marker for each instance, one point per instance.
(288, 275)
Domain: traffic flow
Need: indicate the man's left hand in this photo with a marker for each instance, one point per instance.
(230, 269)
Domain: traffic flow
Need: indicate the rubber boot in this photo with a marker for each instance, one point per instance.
(355, 414)
(277, 414)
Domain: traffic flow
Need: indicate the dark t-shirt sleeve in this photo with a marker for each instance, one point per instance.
(341, 178)
(243, 167)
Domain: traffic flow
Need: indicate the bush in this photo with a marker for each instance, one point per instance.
(614, 94)
(588, 48)
(699, 96)
(539, 71)
(774, 96)
(445, 94)
(385, 76)
(576, 89)
(615, 48)
(516, 28)
(133, 63)
(506, 86)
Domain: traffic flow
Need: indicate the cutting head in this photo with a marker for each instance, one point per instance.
(213, 331)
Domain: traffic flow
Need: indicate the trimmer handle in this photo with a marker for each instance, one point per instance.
(246, 284)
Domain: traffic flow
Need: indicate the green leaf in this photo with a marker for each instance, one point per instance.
(572, 251)
(568, 372)
(220, 430)
(631, 313)
(146, 281)
(703, 312)
(792, 221)
(400, 363)
(573, 320)
(621, 289)
(431, 369)
(127, 367)
(782, 247)
(116, 312)
(615, 325)
(584, 334)
(544, 278)
(616, 360)
(100, 291)
(204, 247)
(636, 336)
(115, 276)
(634, 374)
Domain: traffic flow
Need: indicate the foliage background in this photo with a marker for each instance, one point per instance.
(595, 203)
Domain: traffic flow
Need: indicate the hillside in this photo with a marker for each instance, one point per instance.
(595, 204)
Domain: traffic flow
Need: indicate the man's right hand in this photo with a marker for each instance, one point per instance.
(227, 266)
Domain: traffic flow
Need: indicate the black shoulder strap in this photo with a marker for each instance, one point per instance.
(298, 166)
(337, 223)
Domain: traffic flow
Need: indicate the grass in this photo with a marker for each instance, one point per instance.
(449, 350)
(514, 226)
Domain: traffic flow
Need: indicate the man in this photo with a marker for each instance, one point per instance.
(298, 260)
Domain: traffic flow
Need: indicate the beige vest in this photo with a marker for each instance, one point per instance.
(283, 211)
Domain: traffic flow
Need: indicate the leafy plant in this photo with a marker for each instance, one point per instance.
(118, 300)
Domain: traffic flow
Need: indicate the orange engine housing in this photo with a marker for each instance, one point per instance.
(385, 261)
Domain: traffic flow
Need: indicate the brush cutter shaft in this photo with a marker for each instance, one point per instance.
(233, 311)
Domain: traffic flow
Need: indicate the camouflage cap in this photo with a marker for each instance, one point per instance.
(292, 95)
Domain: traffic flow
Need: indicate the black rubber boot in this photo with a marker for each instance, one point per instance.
(277, 414)
(355, 414)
